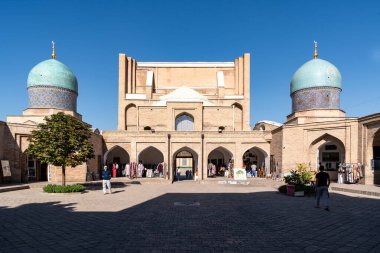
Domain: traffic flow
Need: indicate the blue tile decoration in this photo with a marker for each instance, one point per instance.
(316, 98)
(316, 73)
(52, 73)
(52, 97)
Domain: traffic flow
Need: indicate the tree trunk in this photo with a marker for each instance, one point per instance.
(64, 175)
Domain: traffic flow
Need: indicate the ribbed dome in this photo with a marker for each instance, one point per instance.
(52, 73)
(316, 73)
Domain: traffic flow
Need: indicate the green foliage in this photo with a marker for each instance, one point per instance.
(53, 188)
(282, 189)
(299, 176)
(62, 141)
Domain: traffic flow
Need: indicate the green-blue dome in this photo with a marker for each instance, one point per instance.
(316, 73)
(52, 73)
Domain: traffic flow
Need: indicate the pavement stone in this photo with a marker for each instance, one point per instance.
(226, 218)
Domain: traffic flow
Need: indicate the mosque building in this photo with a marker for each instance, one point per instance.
(52, 88)
(193, 117)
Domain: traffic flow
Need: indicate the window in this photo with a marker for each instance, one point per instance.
(184, 161)
(184, 122)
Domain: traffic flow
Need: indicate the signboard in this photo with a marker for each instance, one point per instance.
(6, 168)
(240, 174)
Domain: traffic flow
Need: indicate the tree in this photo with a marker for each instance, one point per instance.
(62, 141)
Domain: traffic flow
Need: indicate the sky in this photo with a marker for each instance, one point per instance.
(279, 35)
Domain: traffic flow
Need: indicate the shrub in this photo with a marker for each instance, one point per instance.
(282, 189)
(53, 188)
(299, 176)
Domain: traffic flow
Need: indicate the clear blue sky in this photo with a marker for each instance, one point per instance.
(89, 35)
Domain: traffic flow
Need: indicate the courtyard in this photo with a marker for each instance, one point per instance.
(186, 217)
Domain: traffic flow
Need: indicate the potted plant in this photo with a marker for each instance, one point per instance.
(297, 180)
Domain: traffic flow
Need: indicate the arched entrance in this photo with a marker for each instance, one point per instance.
(258, 157)
(376, 157)
(329, 152)
(185, 164)
(116, 155)
(219, 158)
(151, 158)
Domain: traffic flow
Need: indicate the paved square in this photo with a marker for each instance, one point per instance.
(211, 218)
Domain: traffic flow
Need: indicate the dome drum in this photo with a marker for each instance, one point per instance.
(45, 96)
(316, 98)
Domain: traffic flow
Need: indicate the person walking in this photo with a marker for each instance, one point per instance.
(106, 175)
(322, 183)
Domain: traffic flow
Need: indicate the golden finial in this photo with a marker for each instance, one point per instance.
(53, 55)
(315, 49)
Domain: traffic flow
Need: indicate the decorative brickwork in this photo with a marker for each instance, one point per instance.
(316, 98)
(52, 97)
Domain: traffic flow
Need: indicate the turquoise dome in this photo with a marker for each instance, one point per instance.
(52, 73)
(316, 73)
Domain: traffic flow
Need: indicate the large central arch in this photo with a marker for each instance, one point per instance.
(192, 163)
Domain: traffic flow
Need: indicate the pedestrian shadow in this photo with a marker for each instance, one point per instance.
(188, 222)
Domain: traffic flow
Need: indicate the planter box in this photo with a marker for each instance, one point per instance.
(290, 189)
(299, 194)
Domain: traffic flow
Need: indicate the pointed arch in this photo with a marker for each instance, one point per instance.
(327, 138)
(237, 116)
(131, 117)
(258, 156)
(184, 122)
(182, 161)
(219, 157)
(151, 156)
(328, 151)
(116, 154)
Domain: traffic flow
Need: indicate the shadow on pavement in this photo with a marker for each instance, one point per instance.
(179, 222)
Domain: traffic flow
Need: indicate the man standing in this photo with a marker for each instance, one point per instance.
(106, 175)
(322, 180)
(253, 170)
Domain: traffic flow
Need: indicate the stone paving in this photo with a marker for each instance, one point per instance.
(186, 217)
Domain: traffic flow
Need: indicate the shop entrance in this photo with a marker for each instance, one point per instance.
(259, 158)
(153, 161)
(330, 155)
(116, 155)
(218, 162)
